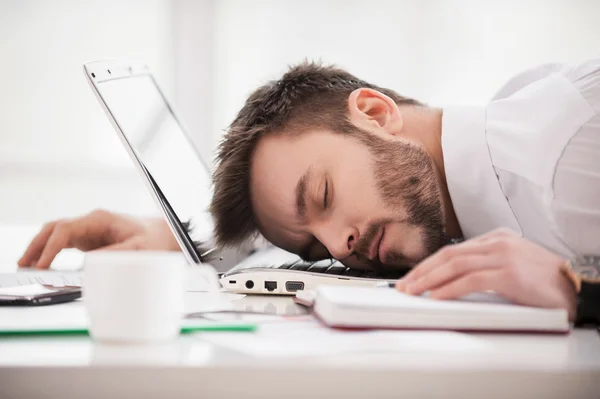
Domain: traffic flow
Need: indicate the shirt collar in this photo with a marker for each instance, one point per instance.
(477, 197)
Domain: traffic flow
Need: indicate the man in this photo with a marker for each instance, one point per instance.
(324, 164)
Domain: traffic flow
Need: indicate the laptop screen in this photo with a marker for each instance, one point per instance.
(160, 143)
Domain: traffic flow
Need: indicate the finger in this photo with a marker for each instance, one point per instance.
(444, 255)
(501, 232)
(451, 270)
(121, 246)
(489, 243)
(478, 281)
(58, 241)
(33, 251)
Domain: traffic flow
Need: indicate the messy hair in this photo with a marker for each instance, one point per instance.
(308, 96)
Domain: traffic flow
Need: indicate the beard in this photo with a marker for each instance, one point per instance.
(405, 179)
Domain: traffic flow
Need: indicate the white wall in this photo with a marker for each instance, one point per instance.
(48, 110)
(54, 137)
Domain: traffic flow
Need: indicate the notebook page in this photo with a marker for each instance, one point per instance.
(386, 298)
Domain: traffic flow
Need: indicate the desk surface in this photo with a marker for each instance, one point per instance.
(500, 365)
(408, 364)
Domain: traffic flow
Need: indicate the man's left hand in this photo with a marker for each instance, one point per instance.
(500, 261)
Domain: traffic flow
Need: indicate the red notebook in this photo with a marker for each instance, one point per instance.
(362, 307)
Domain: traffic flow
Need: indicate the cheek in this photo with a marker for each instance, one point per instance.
(356, 193)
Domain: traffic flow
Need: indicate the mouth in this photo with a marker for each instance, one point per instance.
(375, 244)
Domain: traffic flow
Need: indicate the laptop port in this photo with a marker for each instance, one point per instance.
(293, 286)
(232, 282)
(249, 284)
(270, 286)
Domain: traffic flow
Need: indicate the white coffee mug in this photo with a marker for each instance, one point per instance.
(134, 296)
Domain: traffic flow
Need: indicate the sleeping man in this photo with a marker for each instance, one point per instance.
(324, 164)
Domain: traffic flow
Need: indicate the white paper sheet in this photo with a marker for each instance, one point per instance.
(310, 338)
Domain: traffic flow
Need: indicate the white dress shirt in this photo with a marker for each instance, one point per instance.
(530, 159)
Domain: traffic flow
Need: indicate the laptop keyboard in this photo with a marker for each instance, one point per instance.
(276, 258)
(332, 266)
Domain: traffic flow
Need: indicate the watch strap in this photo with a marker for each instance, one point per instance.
(584, 274)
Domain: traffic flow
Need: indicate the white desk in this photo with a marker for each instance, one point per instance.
(505, 366)
(508, 366)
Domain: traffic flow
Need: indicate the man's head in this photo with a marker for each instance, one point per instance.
(322, 164)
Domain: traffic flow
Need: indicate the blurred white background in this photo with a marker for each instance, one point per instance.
(59, 156)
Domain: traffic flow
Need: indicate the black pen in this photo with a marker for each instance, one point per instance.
(386, 284)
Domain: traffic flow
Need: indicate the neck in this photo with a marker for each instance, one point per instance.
(425, 127)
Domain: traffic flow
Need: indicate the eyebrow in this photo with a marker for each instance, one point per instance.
(301, 195)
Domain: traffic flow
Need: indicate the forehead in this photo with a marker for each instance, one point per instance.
(277, 164)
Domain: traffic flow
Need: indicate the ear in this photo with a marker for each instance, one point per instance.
(373, 110)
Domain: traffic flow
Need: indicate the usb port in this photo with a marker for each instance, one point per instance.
(270, 286)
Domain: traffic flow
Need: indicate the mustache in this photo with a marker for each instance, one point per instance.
(366, 239)
(382, 265)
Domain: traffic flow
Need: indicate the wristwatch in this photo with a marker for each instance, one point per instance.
(584, 273)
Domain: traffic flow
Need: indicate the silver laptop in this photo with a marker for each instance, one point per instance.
(180, 183)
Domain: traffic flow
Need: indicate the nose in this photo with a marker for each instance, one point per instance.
(340, 243)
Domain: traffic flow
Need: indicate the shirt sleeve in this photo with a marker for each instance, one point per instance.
(527, 77)
(575, 206)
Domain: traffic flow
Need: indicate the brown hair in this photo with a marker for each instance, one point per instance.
(308, 95)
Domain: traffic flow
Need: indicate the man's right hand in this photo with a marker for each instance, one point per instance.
(97, 230)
